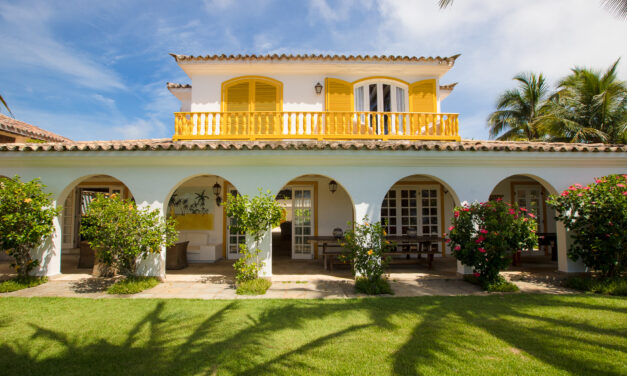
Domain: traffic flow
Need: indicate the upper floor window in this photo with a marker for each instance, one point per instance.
(252, 93)
(381, 95)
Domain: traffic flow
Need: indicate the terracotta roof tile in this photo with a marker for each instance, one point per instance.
(359, 58)
(168, 144)
(21, 128)
(448, 86)
(174, 85)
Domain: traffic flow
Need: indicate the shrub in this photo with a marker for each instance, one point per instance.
(500, 285)
(364, 245)
(254, 217)
(373, 287)
(120, 232)
(20, 283)
(257, 286)
(26, 216)
(596, 216)
(485, 235)
(132, 285)
(610, 286)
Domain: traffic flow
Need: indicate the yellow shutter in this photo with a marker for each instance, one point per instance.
(265, 97)
(339, 95)
(422, 96)
(237, 97)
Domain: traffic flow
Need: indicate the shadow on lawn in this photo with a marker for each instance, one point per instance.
(168, 341)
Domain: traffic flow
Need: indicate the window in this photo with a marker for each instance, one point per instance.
(381, 96)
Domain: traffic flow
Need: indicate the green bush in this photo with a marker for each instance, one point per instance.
(26, 216)
(20, 283)
(254, 217)
(365, 245)
(120, 232)
(373, 287)
(596, 216)
(132, 285)
(257, 286)
(500, 285)
(485, 235)
(609, 286)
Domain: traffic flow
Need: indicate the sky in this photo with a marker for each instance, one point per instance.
(98, 69)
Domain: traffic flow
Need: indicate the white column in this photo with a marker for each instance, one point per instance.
(154, 264)
(49, 252)
(565, 241)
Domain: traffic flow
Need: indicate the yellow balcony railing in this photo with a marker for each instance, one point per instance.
(315, 125)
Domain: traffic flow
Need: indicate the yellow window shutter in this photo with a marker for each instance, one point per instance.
(422, 96)
(265, 97)
(237, 97)
(339, 95)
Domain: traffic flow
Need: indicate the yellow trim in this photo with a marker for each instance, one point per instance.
(381, 78)
(251, 90)
(326, 92)
(434, 95)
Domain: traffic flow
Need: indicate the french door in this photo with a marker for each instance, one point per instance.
(234, 238)
(415, 207)
(531, 198)
(302, 222)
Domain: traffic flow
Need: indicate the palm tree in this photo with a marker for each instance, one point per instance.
(520, 110)
(616, 7)
(6, 105)
(589, 106)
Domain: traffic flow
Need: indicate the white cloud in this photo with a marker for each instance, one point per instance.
(140, 128)
(25, 35)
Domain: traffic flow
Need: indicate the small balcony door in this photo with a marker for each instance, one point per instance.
(302, 222)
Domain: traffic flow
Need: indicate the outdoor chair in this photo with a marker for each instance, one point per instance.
(176, 256)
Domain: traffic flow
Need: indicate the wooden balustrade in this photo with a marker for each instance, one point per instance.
(315, 125)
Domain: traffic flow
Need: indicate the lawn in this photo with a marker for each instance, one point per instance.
(515, 334)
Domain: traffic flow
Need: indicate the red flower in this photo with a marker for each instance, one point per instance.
(451, 228)
(481, 250)
(578, 186)
(580, 194)
(624, 193)
(586, 188)
(448, 241)
(456, 214)
(479, 239)
(512, 211)
(531, 215)
(523, 209)
(565, 193)
(476, 274)
(599, 181)
(620, 185)
(483, 231)
(571, 188)
(458, 247)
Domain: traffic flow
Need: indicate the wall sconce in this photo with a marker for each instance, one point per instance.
(332, 186)
(318, 88)
(217, 188)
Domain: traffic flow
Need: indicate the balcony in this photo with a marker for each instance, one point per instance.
(315, 125)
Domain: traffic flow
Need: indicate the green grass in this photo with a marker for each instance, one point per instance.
(257, 286)
(132, 285)
(614, 286)
(21, 283)
(502, 285)
(378, 287)
(515, 334)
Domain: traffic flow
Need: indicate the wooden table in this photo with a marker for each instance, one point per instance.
(549, 239)
(410, 246)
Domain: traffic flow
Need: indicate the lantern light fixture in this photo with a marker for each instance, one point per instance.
(318, 88)
(217, 188)
(332, 186)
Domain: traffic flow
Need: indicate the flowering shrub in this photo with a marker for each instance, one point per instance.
(120, 232)
(365, 246)
(596, 215)
(485, 235)
(26, 216)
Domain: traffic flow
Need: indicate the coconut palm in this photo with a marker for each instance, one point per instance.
(520, 110)
(589, 106)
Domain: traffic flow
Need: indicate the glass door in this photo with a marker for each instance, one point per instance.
(234, 238)
(530, 198)
(302, 222)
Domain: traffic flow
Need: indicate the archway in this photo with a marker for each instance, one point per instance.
(416, 213)
(313, 205)
(76, 255)
(205, 239)
(531, 193)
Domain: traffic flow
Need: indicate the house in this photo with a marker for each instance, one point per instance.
(12, 130)
(335, 138)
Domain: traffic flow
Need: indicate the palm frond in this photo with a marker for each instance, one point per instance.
(444, 3)
(616, 7)
(6, 106)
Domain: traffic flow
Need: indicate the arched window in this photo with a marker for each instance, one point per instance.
(252, 93)
(381, 95)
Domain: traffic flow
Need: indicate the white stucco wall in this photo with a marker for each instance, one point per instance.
(366, 175)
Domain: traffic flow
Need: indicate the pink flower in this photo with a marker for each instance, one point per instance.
(531, 215)
(456, 214)
(483, 231)
(451, 228)
(479, 239)
(481, 250)
(624, 193)
(580, 194)
(620, 185)
(512, 211)
(578, 186)
(525, 219)
(458, 247)
(586, 188)
(523, 209)
(598, 181)
(466, 209)
(571, 188)
(498, 199)
(476, 274)
(448, 241)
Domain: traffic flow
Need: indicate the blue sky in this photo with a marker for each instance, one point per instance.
(97, 69)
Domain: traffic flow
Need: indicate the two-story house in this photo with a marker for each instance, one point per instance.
(335, 138)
